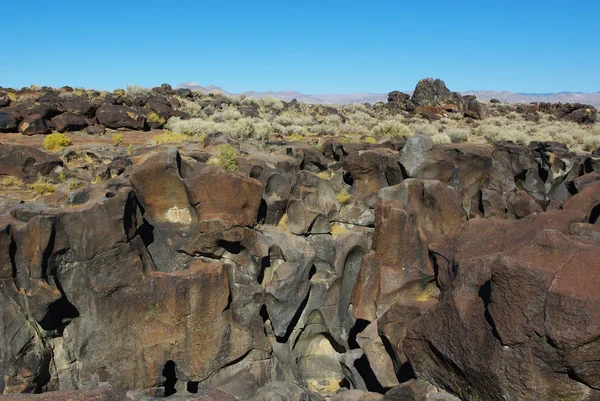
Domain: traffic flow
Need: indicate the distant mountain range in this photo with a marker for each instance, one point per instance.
(503, 96)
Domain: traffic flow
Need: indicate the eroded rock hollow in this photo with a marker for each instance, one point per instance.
(396, 271)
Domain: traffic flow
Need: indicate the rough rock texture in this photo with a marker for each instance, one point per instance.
(115, 116)
(26, 162)
(392, 271)
(8, 122)
(69, 121)
(509, 287)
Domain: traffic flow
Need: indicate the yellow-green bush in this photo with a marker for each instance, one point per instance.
(170, 137)
(227, 158)
(392, 128)
(11, 182)
(43, 186)
(155, 118)
(117, 138)
(343, 196)
(57, 141)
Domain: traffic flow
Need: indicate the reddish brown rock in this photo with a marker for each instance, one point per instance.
(586, 201)
(223, 198)
(409, 217)
(505, 287)
(372, 170)
(26, 162)
(161, 190)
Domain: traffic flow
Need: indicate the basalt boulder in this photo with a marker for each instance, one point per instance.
(408, 218)
(118, 116)
(79, 105)
(34, 124)
(26, 162)
(8, 122)
(69, 121)
(511, 292)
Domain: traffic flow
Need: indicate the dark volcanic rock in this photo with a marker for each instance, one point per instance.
(398, 97)
(503, 292)
(33, 124)
(79, 105)
(430, 92)
(347, 272)
(115, 116)
(69, 122)
(26, 162)
(4, 100)
(8, 122)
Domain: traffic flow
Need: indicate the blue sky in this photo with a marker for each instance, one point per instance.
(309, 46)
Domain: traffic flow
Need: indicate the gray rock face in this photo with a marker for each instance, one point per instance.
(431, 92)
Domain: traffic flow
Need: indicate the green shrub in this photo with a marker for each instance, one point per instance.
(247, 129)
(170, 137)
(155, 118)
(343, 196)
(440, 138)
(136, 91)
(591, 142)
(11, 182)
(392, 128)
(458, 135)
(227, 158)
(57, 141)
(271, 103)
(116, 139)
(44, 187)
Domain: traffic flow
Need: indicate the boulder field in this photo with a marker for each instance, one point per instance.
(43, 110)
(391, 271)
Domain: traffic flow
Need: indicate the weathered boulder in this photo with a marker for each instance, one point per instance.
(26, 162)
(397, 97)
(506, 287)
(285, 277)
(69, 121)
(475, 109)
(97, 394)
(33, 124)
(312, 202)
(8, 122)
(410, 216)
(116, 116)
(433, 98)
(430, 92)
(4, 100)
(417, 390)
(223, 199)
(586, 201)
(184, 92)
(46, 110)
(372, 170)
(379, 359)
(79, 105)
(159, 186)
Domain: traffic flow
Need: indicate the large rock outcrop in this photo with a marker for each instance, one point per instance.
(393, 271)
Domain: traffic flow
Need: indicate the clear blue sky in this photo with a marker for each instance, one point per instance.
(310, 46)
